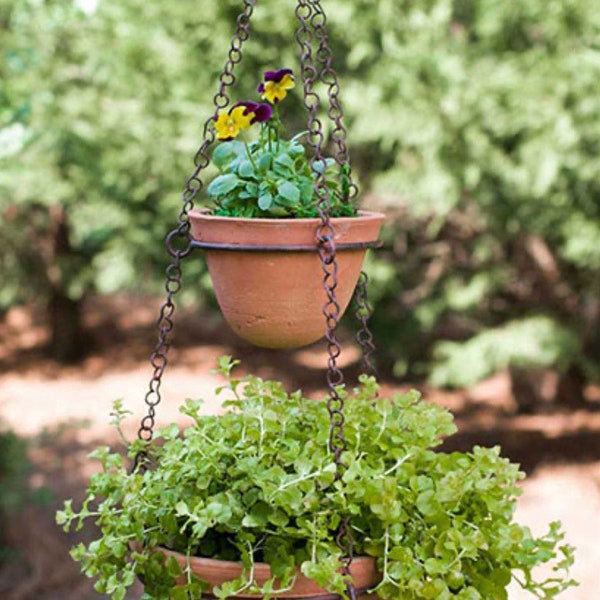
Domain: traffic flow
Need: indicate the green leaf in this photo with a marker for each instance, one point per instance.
(226, 152)
(264, 162)
(224, 184)
(288, 192)
(265, 201)
(284, 161)
(246, 170)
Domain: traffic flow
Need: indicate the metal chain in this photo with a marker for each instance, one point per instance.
(181, 234)
(363, 312)
(329, 77)
(335, 112)
(325, 235)
(325, 232)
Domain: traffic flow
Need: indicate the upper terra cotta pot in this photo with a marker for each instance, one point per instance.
(275, 298)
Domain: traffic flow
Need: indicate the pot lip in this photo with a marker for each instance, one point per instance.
(238, 564)
(363, 215)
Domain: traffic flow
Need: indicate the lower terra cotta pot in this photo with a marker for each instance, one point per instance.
(274, 298)
(216, 572)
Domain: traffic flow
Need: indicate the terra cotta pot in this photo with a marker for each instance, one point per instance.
(273, 296)
(216, 572)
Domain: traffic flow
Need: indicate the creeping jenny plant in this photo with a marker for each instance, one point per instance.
(270, 176)
(256, 484)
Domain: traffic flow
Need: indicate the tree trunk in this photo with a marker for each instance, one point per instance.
(64, 314)
(571, 386)
(67, 339)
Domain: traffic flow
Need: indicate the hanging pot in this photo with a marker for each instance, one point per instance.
(216, 572)
(268, 277)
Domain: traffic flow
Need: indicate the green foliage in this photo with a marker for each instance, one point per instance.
(482, 122)
(14, 468)
(271, 177)
(477, 117)
(257, 483)
(107, 138)
(530, 342)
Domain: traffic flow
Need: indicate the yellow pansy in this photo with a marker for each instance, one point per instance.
(229, 123)
(275, 85)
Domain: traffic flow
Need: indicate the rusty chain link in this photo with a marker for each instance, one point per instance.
(329, 77)
(363, 311)
(335, 112)
(180, 234)
(312, 19)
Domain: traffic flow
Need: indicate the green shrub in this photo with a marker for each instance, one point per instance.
(258, 484)
(14, 468)
(482, 123)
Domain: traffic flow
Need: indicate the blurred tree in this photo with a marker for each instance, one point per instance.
(102, 105)
(476, 121)
(483, 116)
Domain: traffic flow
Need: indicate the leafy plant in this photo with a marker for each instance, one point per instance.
(14, 469)
(258, 484)
(271, 176)
(268, 179)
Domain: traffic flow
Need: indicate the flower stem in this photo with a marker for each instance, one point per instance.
(249, 155)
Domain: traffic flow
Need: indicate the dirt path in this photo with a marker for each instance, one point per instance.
(65, 412)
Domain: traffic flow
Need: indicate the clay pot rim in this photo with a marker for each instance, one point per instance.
(363, 569)
(258, 566)
(204, 213)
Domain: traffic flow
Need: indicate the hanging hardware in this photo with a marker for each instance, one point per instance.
(282, 248)
(181, 233)
(179, 244)
(312, 20)
(363, 312)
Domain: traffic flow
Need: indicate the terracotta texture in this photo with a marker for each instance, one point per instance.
(276, 299)
(217, 572)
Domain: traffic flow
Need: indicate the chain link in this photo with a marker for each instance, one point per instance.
(363, 312)
(178, 241)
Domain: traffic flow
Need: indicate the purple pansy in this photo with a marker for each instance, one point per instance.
(261, 110)
(277, 76)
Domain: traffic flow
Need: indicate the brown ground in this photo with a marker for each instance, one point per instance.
(64, 412)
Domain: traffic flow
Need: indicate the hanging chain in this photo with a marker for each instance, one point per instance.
(180, 236)
(363, 312)
(325, 232)
(329, 77)
(325, 235)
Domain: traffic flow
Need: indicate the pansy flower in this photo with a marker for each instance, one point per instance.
(258, 112)
(275, 85)
(230, 122)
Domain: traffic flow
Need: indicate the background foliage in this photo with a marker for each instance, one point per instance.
(14, 470)
(474, 123)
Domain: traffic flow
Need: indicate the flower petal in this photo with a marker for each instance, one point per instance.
(262, 113)
(287, 81)
(277, 76)
(240, 118)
